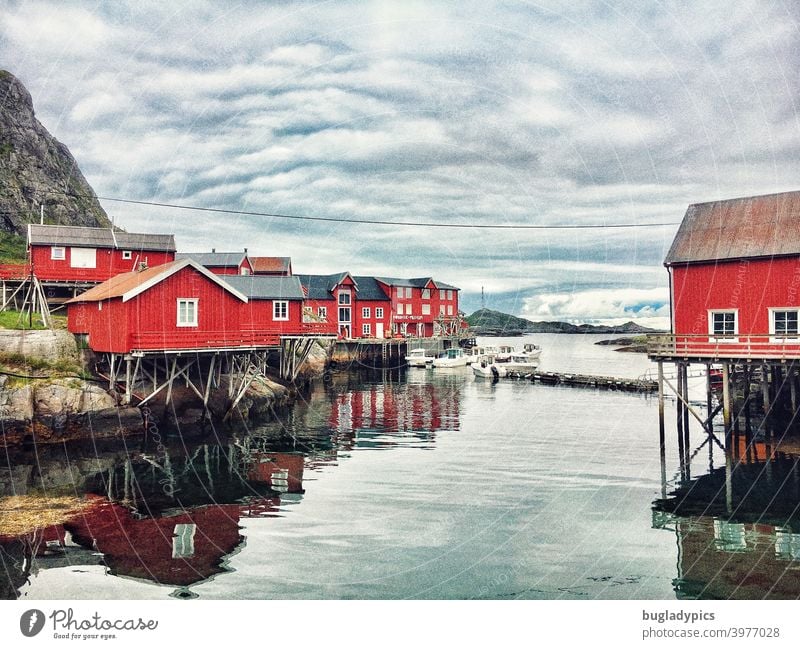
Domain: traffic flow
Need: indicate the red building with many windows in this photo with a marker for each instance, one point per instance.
(422, 307)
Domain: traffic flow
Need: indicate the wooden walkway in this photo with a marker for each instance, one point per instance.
(587, 381)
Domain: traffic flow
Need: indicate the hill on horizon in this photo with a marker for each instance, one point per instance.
(487, 321)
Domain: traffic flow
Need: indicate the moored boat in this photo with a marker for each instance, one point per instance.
(486, 368)
(454, 357)
(418, 358)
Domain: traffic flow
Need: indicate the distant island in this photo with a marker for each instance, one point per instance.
(485, 322)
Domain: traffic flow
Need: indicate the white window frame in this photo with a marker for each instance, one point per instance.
(717, 338)
(280, 310)
(344, 293)
(426, 309)
(774, 337)
(366, 329)
(322, 312)
(365, 311)
(83, 257)
(244, 270)
(187, 322)
(408, 292)
(426, 294)
(58, 253)
(400, 292)
(441, 309)
(127, 254)
(349, 319)
(449, 309)
(379, 312)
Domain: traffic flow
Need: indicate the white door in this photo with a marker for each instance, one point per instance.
(379, 330)
(83, 258)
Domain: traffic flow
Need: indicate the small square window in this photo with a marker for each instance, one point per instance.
(322, 312)
(344, 297)
(127, 254)
(722, 325)
(426, 294)
(58, 252)
(365, 312)
(366, 330)
(426, 309)
(379, 313)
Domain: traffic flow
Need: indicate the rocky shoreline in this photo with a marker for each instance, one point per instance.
(48, 395)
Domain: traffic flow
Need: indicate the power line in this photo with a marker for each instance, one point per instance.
(416, 224)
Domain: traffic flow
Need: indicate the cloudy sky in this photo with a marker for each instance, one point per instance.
(510, 113)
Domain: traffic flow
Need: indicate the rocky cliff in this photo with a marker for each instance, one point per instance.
(36, 168)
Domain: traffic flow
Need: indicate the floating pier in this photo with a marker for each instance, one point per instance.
(593, 381)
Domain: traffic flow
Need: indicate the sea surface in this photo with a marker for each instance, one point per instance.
(420, 484)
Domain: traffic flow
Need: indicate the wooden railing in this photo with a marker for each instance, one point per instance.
(14, 271)
(189, 339)
(745, 346)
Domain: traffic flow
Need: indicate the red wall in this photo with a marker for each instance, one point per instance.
(330, 326)
(752, 286)
(109, 264)
(437, 299)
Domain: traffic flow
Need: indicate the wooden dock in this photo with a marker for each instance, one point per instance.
(586, 381)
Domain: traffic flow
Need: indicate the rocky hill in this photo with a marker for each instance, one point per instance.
(487, 322)
(36, 168)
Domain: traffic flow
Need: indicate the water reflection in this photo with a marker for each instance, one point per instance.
(738, 526)
(171, 514)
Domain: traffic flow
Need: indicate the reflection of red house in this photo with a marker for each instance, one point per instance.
(728, 560)
(422, 407)
(282, 472)
(61, 253)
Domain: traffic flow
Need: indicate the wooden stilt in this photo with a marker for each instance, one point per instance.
(726, 399)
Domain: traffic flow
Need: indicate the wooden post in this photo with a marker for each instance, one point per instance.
(792, 388)
(661, 429)
(679, 410)
(686, 441)
(765, 388)
(127, 398)
(708, 397)
(726, 399)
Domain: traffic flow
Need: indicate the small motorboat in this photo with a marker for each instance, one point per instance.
(521, 363)
(486, 368)
(418, 358)
(451, 358)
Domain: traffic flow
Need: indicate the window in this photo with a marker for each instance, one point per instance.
(83, 258)
(409, 309)
(366, 330)
(408, 291)
(365, 312)
(58, 252)
(100, 306)
(379, 312)
(449, 309)
(426, 294)
(322, 312)
(127, 254)
(344, 314)
(426, 309)
(280, 310)
(722, 325)
(183, 540)
(344, 297)
(244, 270)
(187, 312)
(784, 323)
(449, 295)
(441, 309)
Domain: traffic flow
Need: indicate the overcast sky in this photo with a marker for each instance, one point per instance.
(514, 112)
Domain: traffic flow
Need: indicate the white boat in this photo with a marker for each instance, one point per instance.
(486, 368)
(418, 358)
(531, 351)
(474, 354)
(504, 353)
(521, 362)
(451, 358)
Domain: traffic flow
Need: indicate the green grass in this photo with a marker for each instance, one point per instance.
(15, 320)
(13, 248)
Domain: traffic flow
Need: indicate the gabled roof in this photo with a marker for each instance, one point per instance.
(271, 264)
(753, 226)
(215, 259)
(319, 287)
(129, 285)
(79, 236)
(264, 287)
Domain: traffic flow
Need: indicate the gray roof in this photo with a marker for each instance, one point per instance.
(224, 259)
(79, 236)
(753, 226)
(266, 287)
(319, 287)
(369, 289)
(417, 282)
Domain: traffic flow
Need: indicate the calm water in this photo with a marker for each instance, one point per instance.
(417, 484)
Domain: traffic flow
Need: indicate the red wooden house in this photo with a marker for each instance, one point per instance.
(180, 305)
(81, 255)
(734, 274)
(422, 307)
(275, 303)
(221, 263)
(350, 306)
(272, 266)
